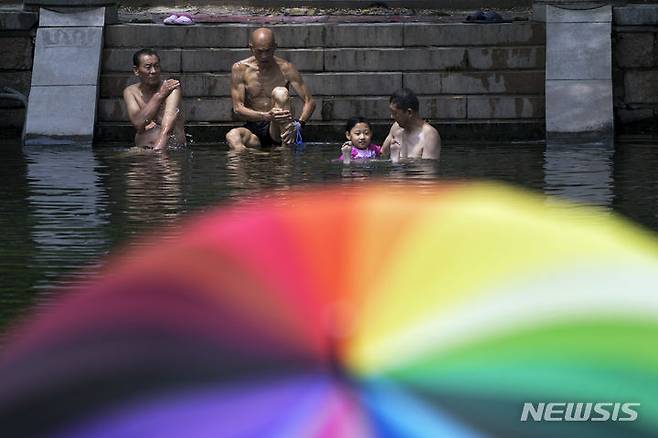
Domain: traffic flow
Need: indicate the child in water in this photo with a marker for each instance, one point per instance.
(358, 146)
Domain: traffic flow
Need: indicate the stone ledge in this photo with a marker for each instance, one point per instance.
(330, 35)
(18, 20)
(451, 132)
(635, 15)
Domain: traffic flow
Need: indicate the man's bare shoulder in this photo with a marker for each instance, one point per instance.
(430, 130)
(395, 129)
(285, 66)
(131, 90)
(244, 64)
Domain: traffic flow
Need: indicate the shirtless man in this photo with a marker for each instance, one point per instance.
(410, 136)
(259, 89)
(154, 105)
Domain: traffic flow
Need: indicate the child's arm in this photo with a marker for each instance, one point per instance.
(346, 152)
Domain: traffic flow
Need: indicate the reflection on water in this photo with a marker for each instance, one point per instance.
(65, 208)
(581, 173)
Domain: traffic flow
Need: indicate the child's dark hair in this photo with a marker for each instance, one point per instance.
(354, 120)
(137, 56)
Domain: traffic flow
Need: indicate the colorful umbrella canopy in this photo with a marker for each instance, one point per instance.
(453, 310)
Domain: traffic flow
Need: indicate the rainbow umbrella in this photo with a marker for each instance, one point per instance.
(456, 310)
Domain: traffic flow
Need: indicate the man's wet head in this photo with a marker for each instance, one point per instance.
(262, 45)
(146, 66)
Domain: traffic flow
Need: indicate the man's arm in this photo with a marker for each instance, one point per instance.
(431, 143)
(171, 113)
(386, 146)
(238, 96)
(140, 118)
(295, 79)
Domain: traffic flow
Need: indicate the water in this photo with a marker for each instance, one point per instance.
(63, 209)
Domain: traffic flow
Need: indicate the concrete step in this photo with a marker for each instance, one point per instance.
(336, 110)
(362, 84)
(345, 59)
(451, 132)
(329, 35)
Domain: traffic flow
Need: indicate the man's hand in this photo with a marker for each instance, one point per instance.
(168, 86)
(289, 134)
(280, 115)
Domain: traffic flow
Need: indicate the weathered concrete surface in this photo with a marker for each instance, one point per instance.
(64, 89)
(641, 86)
(579, 72)
(75, 17)
(505, 107)
(513, 82)
(17, 20)
(15, 53)
(60, 114)
(636, 68)
(423, 34)
(578, 106)
(635, 49)
(636, 15)
(67, 56)
(578, 51)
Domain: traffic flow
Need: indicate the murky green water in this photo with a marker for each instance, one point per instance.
(65, 208)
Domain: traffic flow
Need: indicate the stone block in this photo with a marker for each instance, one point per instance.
(297, 35)
(206, 84)
(635, 115)
(353, 84)
(112, 85)
(221, 60)
(18, 20)
(72, 17)
(194, 109)
(208, 110)
(504, 58)
(121, 60)
(373, 108)
(159, 36)
(15, 53)
(513, 82)
(394, 59)
(211, 60)
(578, 106)
(67, 56)
(18, 80)
(458, 34)
(636, 15)
(578, 51)
(505, 107)
(358, 35)
(12, 118)
(297, 106)
(634, 49)
(112, 110)
(641, 86)
(217, 36)
(60, 114)
(601, 14)
(443, 107)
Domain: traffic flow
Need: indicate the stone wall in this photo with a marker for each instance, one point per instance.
(17, 30)
(473, 81)
(635, 68)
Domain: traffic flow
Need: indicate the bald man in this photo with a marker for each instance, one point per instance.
(260, 88)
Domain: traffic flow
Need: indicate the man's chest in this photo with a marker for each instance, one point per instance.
(411, 144)
(259, 84)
